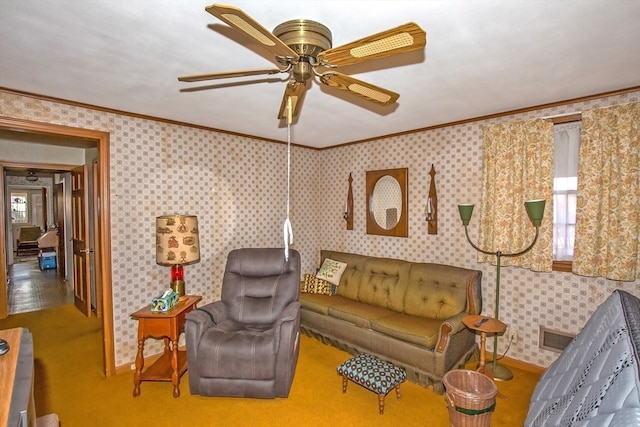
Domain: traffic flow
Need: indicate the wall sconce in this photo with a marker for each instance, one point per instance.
(348, 207)
(535, 211)
(177, 244)
(431, 207)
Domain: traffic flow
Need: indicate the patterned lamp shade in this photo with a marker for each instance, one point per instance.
(177, 244)
(177, 240)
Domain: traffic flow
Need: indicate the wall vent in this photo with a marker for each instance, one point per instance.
(554, 340)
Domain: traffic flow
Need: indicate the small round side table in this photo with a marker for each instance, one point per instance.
(485, 325)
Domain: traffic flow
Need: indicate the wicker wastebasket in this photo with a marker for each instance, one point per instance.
(471, 398)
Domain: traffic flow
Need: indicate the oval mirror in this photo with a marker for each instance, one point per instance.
(387, 202)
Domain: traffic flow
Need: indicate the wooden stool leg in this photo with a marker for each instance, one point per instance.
(381, 404)
(398, 392)
(344, 383)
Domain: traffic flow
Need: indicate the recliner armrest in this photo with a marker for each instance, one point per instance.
(449, 327)
(290, 314)
(202, 318)
(216, 311)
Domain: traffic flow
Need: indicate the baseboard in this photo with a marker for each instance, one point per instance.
(508, 361)
(519, 364)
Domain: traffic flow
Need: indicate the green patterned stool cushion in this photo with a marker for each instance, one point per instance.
(372, 373)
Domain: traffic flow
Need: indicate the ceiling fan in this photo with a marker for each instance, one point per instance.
(303, 49)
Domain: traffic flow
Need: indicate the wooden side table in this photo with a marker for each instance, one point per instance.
(485, 325)
(168, 326)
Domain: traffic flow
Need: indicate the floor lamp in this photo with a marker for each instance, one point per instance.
(535, 210)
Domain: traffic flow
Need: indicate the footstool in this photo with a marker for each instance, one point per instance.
(373, 374)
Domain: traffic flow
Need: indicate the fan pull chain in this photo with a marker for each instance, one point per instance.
(288, 231)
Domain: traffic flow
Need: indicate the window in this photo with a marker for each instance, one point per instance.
(565, 188)
(19, 208)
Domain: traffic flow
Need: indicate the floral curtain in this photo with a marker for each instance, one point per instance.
(608, 212)
(518, 165)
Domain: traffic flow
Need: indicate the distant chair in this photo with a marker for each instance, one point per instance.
(247, 344)
(27, 243)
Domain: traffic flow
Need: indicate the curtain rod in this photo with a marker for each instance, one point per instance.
(565, 118)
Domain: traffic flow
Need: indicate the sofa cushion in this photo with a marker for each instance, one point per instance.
(436, 291)
(413, 329)
(312, 285)
(352, 275)
(319, 303)
(358, 313)
(331, 271)
(384, 283)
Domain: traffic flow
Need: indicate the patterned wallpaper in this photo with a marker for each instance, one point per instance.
(528, 300)
(236, 186)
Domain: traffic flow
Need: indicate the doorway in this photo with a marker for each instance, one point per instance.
(102, 229)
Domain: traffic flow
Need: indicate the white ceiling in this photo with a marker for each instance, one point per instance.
(482, 57)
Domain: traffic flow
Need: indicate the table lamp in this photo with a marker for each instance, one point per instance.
(177, 245)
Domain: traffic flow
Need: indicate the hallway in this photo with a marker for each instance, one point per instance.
(31, 289)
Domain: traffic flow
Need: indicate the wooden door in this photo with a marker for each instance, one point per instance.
(58, 218)
(80, 225)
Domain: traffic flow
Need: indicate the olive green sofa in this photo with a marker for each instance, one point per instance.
(407, 313)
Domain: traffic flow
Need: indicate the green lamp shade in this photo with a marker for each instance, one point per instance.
(465, 213)
(535, 210)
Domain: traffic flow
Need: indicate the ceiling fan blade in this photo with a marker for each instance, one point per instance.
(358, 87)
(295, 91)
(229, 74)
(404, 38)
(243, 22)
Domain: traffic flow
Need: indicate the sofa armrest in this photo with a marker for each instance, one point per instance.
(448, 328)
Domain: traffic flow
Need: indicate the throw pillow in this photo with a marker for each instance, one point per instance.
(331, 271)
(313, 285)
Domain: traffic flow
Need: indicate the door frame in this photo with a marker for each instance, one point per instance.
(103, 262)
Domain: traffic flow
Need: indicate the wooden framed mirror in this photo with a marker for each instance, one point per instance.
(387, 202)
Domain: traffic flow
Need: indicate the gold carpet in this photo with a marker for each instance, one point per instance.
(70, 382)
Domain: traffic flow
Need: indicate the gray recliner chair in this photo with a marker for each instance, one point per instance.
(246, 344)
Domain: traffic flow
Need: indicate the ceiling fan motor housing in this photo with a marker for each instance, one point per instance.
(307, 38)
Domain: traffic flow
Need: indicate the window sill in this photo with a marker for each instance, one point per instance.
(564, 266)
